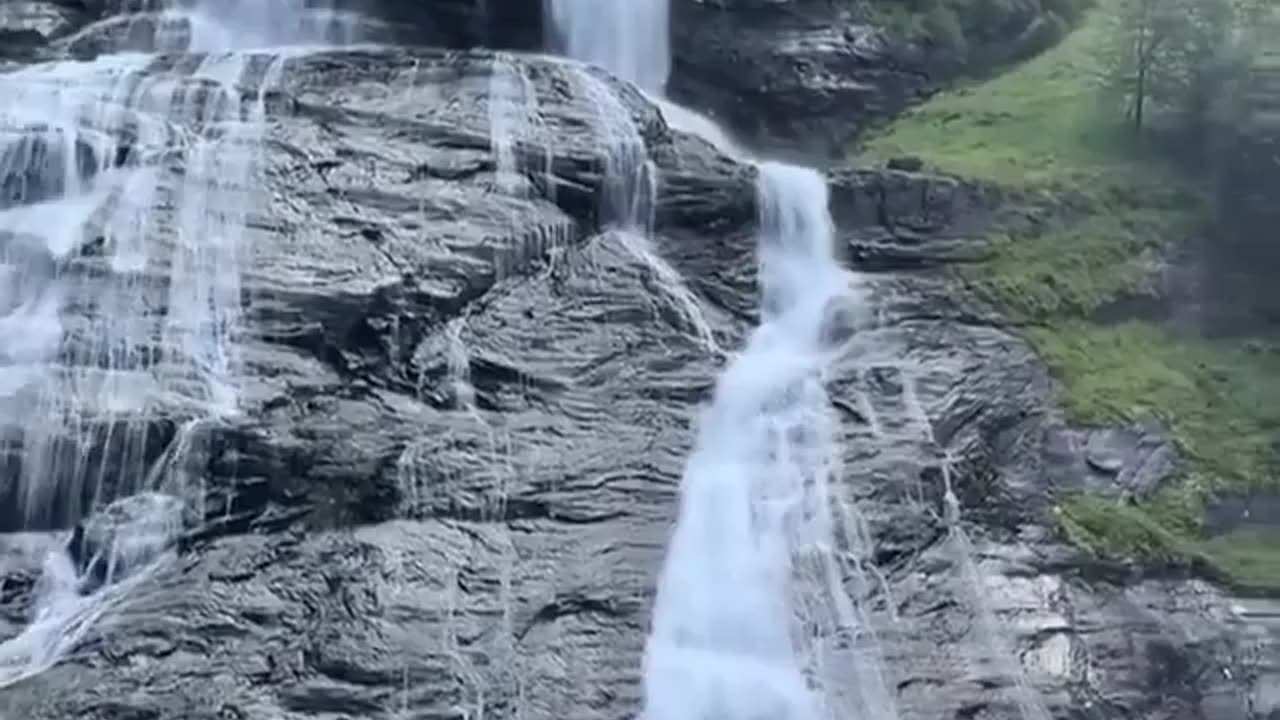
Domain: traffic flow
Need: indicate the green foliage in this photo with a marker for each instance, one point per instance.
(1179, 58)
(985, 32)
(1251, 558)
(1101, 211)
(1221, 398)
(1035, 126)
(1118, 530)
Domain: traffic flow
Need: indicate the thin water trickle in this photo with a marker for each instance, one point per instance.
(127, 189)
(630, 200)
(61, 619)
(458, 362)
(752, 618)
(513, 116)
(994, 636)
(630, 41)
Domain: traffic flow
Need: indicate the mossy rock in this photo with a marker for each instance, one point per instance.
(1096, 216)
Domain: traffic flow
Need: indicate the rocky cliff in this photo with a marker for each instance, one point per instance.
(371, 547)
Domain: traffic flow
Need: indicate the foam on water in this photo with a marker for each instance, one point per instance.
(752, 619)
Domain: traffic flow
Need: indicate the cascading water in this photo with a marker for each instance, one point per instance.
(127, 191)
(751, 619)
(629, 38)
(221, 25)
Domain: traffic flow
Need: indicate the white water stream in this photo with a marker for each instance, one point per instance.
(93, 217)
(752, 618)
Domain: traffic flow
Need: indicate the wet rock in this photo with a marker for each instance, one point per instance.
(1131, 463)
(367, 542)
(906, 163)
(27, 24)
(893, 219)
(790, 74)
(127, 535)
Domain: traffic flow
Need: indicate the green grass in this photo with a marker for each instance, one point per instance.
(1222, 402)
(1097, 215)
(1036, 124)
(1108, 207)
(977, 33)
(1221, 399)
(1115, 529)
(1079, 266)
(1250, 557)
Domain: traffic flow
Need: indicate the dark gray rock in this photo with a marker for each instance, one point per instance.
(27, 24)
(1127, 463)
(898, 220)
(373, 545)
(791, 75)
(127, 535)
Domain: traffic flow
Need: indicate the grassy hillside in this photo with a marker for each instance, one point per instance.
(976, 34)
(1100, 216)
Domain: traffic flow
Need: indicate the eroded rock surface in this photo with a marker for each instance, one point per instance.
(375, 546)
(791, 74)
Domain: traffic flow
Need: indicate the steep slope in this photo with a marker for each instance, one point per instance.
(467, 412)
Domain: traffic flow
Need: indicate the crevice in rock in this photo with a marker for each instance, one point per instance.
(568, 605)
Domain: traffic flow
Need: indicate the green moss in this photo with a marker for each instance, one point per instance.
(1251, 558)
(1038, 123)
(1118, 530)
(996, 31)
(1098, 216)
(1247, 558)
(1221, 399)
(1222, 402)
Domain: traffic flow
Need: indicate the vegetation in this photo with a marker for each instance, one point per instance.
(1251, 557)
(1182, 57)
(977, 33)
(1101, 210)
(1221, 399)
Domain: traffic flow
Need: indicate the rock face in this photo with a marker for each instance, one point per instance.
(794, 74)
(375, 546)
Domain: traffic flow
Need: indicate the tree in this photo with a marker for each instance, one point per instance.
(1177, 55)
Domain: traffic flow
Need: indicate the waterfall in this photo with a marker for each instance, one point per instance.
(752, 619)
(628, 38)
(220, 25)
(128, 191)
